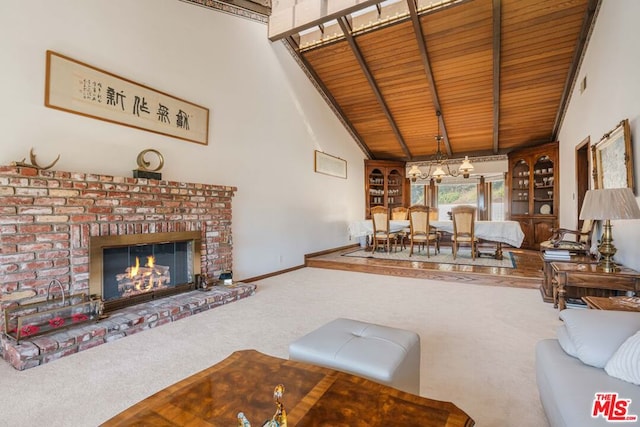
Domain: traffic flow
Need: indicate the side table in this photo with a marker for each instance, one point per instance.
(610, 303)
(590, 276)
(546, 289)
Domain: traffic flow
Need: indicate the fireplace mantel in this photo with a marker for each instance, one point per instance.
(47, 219)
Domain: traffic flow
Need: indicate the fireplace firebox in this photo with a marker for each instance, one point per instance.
(130, 269)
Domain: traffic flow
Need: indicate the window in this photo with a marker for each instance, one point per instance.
(454, 193)
(418, 194)
(496, 195)
(450, 195)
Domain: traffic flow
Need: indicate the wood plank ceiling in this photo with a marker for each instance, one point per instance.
(499, 72)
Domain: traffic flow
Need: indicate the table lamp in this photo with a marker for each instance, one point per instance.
(607, 204)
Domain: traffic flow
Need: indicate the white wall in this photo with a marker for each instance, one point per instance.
(266, 119)
(612, 66)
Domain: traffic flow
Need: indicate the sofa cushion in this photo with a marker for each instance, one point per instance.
(566, 342)
(597, 334)
(625, 362)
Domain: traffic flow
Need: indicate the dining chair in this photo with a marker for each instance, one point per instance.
(434, 214)
(400, 213)
(420, 230)
(464, 229)
(381, 231)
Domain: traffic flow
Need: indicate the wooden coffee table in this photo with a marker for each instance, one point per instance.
(313, 396)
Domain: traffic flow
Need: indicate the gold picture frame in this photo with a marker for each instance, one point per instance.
(612, 159)
(79, 88)
(330, 165)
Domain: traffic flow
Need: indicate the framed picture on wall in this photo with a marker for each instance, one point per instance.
(612, 160)
(83, 89)
(330, 165)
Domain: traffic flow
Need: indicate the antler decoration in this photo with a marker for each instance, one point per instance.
(144, 164)
(34, 163)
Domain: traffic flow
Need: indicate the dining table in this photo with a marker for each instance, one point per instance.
(498, 232)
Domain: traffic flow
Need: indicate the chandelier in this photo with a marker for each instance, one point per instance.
(439, 161)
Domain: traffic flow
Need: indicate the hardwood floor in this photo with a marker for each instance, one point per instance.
(527, 274)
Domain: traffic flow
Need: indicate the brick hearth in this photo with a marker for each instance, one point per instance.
(46, 348)
(48, 217)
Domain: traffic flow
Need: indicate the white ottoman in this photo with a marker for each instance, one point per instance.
(386, 355)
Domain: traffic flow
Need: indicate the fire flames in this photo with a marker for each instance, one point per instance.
(133, 271)
(138, 279)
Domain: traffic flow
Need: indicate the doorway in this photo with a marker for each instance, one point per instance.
(582, 174)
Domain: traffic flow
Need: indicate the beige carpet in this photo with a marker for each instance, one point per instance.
(477, 347)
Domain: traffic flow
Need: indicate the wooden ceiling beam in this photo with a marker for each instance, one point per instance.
(294, 46)
(417, 30)
(497, 38)
(342, 21)
(321, 19)
(496, 92)
(587, 26)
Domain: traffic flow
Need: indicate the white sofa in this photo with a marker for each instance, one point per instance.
(592, 349)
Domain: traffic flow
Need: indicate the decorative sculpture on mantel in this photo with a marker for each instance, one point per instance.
(34, 163)
(144, 170)
(279, 418)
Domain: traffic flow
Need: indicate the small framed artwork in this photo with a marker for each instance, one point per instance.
(79, 88)
(330, 165)
(612, 159)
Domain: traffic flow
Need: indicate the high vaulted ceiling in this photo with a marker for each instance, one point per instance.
(500, 72)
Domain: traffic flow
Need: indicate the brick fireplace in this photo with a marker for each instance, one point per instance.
(133, 268)
(48, 218)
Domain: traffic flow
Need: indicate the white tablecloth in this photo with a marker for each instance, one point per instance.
(508, 232)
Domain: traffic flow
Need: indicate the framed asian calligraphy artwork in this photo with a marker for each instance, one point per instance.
(82, 89)
(330, 165)
(612, 159)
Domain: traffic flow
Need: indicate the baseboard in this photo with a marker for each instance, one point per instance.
(298, 267)
(275, 273)
(328, 251)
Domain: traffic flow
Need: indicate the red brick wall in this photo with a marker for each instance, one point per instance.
(47, 218)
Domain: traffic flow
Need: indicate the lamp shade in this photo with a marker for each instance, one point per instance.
(439, 172)
(610, 203)
(414, 171)
(466, 165)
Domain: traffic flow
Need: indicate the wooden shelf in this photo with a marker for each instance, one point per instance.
(388, 178)
(526, 176)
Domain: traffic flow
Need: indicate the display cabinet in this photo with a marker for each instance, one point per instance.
(532, 192)
(385, 184)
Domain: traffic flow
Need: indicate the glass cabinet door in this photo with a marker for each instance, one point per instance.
(543, 190)
(376, 188)
(394, 189)
(521, 182)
